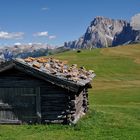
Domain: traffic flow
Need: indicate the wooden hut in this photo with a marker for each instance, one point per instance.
(29, 94)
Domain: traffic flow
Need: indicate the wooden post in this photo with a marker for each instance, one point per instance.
(38, 105)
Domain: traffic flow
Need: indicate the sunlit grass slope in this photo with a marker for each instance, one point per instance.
(114, 112)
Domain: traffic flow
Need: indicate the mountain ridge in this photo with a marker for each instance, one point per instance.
(106, 32)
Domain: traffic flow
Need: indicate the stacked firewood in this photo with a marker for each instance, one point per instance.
(60, 69)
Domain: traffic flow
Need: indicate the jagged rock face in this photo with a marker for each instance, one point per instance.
(99, 34)
(128, 35)
(130, 32)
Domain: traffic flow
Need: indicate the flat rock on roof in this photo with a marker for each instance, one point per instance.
(60, 69)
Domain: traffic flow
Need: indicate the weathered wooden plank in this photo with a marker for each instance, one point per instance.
(16, 78)
(15, 82)
(7, 114)
(38, 104)
(27, 95)
(8, 121)
(54, 105)
(56, 102)
(30, 117)
(6, 66)
(53, 117)
(54, 95)
(52, 109)
(13, 105)
(5, 106)
(79, 109)
(53, 121)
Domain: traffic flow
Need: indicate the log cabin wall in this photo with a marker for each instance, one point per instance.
(54, 105)
(25, 99)
(77, 105)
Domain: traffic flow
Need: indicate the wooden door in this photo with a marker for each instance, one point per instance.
(19, 105)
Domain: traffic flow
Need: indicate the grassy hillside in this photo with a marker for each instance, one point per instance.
(114, 100)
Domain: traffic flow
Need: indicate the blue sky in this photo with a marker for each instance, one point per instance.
(56, 21)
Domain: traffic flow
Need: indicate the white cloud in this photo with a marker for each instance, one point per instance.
(12, 35)
(52, 37)
(41, 34)
(30, 44)
(17, 43)
(45, 9)
(44, 34)
(135, 22)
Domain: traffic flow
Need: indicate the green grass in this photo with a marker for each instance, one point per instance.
(114, 112)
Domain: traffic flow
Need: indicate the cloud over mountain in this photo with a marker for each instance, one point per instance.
(17, 43)
(135, 22)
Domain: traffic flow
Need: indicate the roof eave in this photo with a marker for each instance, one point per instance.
(74, 87)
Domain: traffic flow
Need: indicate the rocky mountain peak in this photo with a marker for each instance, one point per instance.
(130, 32)
(98, 20)
(106, 32)
(100, 33)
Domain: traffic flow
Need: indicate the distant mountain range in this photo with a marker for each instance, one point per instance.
(102, 32)
(23, 51)
(28, 50)
(106, 32)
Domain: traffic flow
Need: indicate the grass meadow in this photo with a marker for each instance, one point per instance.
(114, 110)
